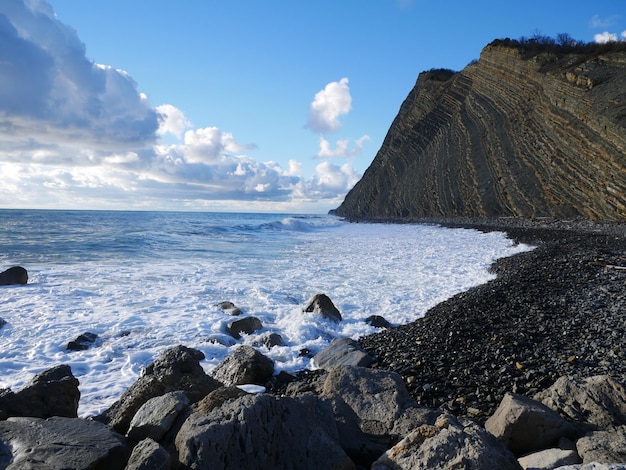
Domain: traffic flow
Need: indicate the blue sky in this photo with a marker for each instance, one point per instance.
(235, 105)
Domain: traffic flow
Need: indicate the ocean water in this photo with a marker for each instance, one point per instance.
(147, 281)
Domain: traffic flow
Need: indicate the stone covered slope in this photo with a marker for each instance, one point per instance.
(513, 134)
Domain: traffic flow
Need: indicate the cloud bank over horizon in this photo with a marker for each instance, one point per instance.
(80, 134)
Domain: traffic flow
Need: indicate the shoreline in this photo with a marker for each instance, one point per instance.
(553, 311)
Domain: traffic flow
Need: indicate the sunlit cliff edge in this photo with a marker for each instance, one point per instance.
(520, 132)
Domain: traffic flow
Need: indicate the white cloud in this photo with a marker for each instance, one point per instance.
(342, 148)
(48, 85)
(328, 106)
(172, 120)
(605, 37)
(598, 22)
(624, 35)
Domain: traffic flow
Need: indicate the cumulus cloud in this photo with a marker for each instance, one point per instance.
(50, 92)
(328, 106)
(342, 148)
(75, 133)
(605, 37)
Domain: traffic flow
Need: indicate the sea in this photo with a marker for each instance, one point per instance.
(147, 281)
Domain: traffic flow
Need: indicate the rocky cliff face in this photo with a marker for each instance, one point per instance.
(510, 135)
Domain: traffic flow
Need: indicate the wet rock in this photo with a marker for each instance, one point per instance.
(53, 392)
(177, 368)
(599, 400)
(217, 398)
(262, 431)
(245, 365)
(342, 351)
(60, 443)
(377, 321)
(525, 425)
(603, 446)
(322, 305)
(156, 416)
(82, 342)
(229, 308)
(149, 455)
(2, 322)
(13, 275)
(449, 446)
(270, 340)
(244, 326)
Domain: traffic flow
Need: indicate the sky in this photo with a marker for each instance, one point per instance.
(230, 105)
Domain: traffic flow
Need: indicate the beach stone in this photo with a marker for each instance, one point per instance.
(245, 365)
(262, 431)
(13, 275)
(177, 368)
(245, 325)
(82, 342)
(599, 400)
(342, 351)
(156, 416)
(367, 404)
(451, 445)
(60, 443)
(53, 392)
(149, 455)
(549, 459)
(603, 446)
(377, 321)
(217, 398)
(322, 305)
(270, 340)
(526, 425)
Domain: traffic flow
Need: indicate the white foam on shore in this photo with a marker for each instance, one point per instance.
(142, 304)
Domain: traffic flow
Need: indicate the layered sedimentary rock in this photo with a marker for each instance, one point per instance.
(513, 134)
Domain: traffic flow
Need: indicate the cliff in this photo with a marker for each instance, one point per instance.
(539, 134)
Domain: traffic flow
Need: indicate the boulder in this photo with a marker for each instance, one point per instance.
(377, 321)
(245, 325)
(549, 459)
(262, 431)
(2, 322)
(447, 445)
(322, 305)
(177, 368)
(270, 340)
(60, 443)
(82, 342)
(149, 455)
(594, 466)
(13, 275)
(603, 446)
(599, 400)
(342, 351)
(217, 398)
(156, 416)
(229, 308)
(245, 365)
(367, 405)
(525, 425)
(53, 392)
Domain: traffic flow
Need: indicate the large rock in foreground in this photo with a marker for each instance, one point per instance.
(521, 132)
(59, 444)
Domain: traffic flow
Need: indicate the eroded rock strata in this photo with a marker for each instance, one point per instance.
(510, 135)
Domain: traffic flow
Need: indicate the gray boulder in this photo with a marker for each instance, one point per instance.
(342, 351)
(322, 305)
(245, 365)
(549, 459)
(82, 342)
(149, 455)
(60, 443)
(156, 416)
(447, 445)
(13, 275)
(53, 392)
(368, 406)
(177, 368)
(599, 400)
(525, 425)
(603, 446)
(262, 431)
(245, 325)
(593, 466)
